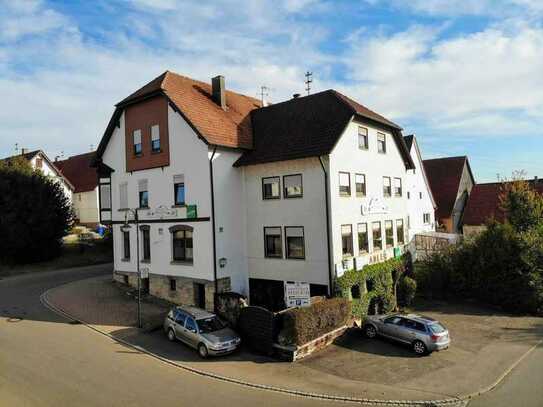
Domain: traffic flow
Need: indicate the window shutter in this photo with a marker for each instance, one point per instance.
(178, 179)
(273, 231)
(123, 195)
(142, 185)
(346, 230)
(344, 178)
(155, 132)
(137, 136)
(294, 231)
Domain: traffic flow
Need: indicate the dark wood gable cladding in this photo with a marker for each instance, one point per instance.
(141, 116)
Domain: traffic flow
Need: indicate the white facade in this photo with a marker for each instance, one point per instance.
(86, 206)
(39, 162)
(420, 202)
(189, 158)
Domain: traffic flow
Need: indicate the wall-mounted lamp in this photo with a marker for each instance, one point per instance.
(222, 262)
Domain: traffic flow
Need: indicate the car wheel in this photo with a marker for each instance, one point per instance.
(171, 335)
(419, 348)
(370, 331)
(202, 351)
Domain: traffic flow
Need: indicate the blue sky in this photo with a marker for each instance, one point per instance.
(464, 75)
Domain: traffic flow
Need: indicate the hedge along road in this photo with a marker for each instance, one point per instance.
(47, 361)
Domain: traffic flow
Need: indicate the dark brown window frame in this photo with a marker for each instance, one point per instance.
(366, 138)
(126, 244)
(345, 194)
(177, 228)
(278, 177)
(391, 223)
(384, 151)
(286, 243)
(134, 144)
(389, 193)
(265, 242)
(146, 246)
(380, 248)
(344, 255)
(285, 195)
(403, 231)
(360, 251)
(394, 187)
(363, 194)
(153, 150)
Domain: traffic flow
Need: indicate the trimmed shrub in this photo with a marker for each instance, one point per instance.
(407, 289)
(302, 325)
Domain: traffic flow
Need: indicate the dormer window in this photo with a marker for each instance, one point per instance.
(137, 142)
(155, 138)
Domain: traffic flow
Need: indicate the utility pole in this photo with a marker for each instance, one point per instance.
(263, 93)
(308, 81)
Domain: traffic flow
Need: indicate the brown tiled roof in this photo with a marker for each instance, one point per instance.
(229, 128)
(444, 175)
(309, 126)
(78, 170)
(484, 203)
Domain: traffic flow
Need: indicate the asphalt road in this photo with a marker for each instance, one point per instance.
(46, 361)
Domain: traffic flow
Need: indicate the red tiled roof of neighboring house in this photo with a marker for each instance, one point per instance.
(484, 203)
(444, 175)
(79, 171)
(309, 126)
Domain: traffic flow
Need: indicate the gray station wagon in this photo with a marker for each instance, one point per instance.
(423, 334)
(200, 330)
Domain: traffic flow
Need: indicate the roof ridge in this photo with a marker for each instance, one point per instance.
(447, 158)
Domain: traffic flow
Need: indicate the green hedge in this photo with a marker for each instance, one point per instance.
(302, 325)
(407, 289)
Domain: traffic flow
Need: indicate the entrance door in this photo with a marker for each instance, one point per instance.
(200, 295)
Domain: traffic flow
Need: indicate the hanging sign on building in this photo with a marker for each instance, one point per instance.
(297, 294)
(191, 212)
(374, 206)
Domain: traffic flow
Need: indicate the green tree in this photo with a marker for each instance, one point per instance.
(522, 204)
(35, 215)
(17, 164)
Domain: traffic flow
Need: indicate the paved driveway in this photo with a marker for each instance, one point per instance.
(484, 344)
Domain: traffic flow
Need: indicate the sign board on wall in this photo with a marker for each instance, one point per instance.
(191, 212)
(374, 206)
(297, 294)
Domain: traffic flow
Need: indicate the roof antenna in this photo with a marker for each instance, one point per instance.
(308, 80)
(263, 93)
(91, 147)
(16, 148)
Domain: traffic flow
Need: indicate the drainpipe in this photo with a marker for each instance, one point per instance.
(213, 226)
(330, 277)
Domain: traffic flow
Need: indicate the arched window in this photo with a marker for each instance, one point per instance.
(182, 250)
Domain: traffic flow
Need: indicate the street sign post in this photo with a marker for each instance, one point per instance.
(297, 294)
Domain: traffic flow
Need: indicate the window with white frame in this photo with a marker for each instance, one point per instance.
(397, 187)
(360, 184)
(271, 188)
(426, 218)
(344, 184)
(363, 244)
(362, 138)
(389, 233)
(295, 243)
(143, 194)
(273, 245)
(400, 231)
(347, 240)
(136, 135)
(387, 189)
(381, 143)
(377, 236)
(155, 138)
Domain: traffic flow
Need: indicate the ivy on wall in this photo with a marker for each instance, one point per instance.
(380, 278)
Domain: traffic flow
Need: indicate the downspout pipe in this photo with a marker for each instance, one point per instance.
(328, 238)
(213, 225)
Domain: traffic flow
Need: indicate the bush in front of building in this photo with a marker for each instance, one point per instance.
(407, 289)
(35, 216)
(302, 325)
(502, 266)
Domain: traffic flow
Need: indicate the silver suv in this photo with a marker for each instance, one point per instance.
(424, 334)
(200, 330)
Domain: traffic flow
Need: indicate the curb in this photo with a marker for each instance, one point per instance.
(455, 401)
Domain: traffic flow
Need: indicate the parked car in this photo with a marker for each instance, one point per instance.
(424, 334)
(200, 330)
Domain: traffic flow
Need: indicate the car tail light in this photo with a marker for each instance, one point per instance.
(435, 338)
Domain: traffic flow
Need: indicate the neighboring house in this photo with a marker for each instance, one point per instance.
(484, 205)
(451, 181)
(421, 206)
(39, 161)
(85, 195)
(235, 196)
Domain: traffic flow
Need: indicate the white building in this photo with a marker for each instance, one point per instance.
(39, 161)
(77, 169)
(421, 205)
(234, 196)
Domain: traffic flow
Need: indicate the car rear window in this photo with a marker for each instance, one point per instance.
(437, 328)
